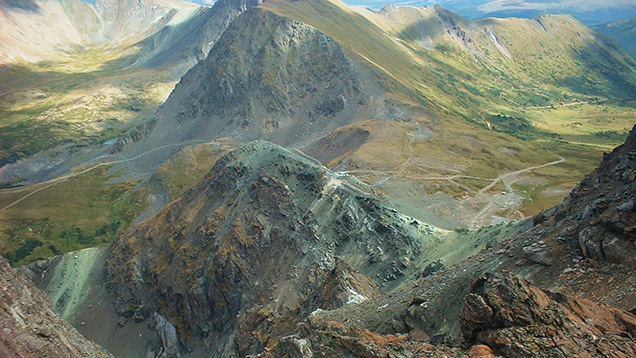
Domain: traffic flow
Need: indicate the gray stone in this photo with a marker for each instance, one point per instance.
(626, 206)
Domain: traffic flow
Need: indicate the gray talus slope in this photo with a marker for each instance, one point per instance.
(266, 78)
(30, 326)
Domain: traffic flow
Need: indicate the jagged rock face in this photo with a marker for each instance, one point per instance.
(265, 230)
(599, 216)
(503, 315)
(30, 326)
(518, 319)
(268, 78)
(189, 42)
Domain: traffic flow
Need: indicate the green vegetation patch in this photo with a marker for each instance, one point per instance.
(187, 168)
(516, 126)
(84, 211)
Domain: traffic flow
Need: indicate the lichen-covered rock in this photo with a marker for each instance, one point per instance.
(268, 235)
(518, 319)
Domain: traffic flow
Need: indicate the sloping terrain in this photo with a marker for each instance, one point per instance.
(61, 27)
(205, 259)
(499, 314)
(80, 100)
(425, 83)
(270, 78)
(502, 316)
(590, 12)
(451, 123)
(353, 277)
(622, 32)
(108, 67)
(30, 326)
(334, 239)
(460, 123)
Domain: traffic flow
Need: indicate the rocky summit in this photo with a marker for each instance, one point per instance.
(273, 255)
(267, 232)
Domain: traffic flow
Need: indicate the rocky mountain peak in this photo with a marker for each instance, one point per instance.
(271, 78)
(265, 228)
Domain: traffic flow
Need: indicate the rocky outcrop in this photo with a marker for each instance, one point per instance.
(503, 315)
(267, 234)
(30, 326)
(272, 255)
(267, 77)
(322, 338)
(599, 216)
(517, 319)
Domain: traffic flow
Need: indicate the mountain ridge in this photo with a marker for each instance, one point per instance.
(622, 32)
(215, 245)
(104, 22)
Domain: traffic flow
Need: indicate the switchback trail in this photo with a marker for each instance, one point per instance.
(483, 190)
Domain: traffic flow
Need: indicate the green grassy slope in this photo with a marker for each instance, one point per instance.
(621, 32)
(83, 211)
(507, 61)
(85, 98)
(500, 95)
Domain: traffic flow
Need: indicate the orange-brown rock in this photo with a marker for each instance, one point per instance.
(520, 320)
(481, 351)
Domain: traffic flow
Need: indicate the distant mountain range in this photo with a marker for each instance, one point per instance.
(590, 12)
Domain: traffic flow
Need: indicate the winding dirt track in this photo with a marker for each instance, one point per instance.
(49, 183)
(509, 174)
(399, 172)
(483, 190)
